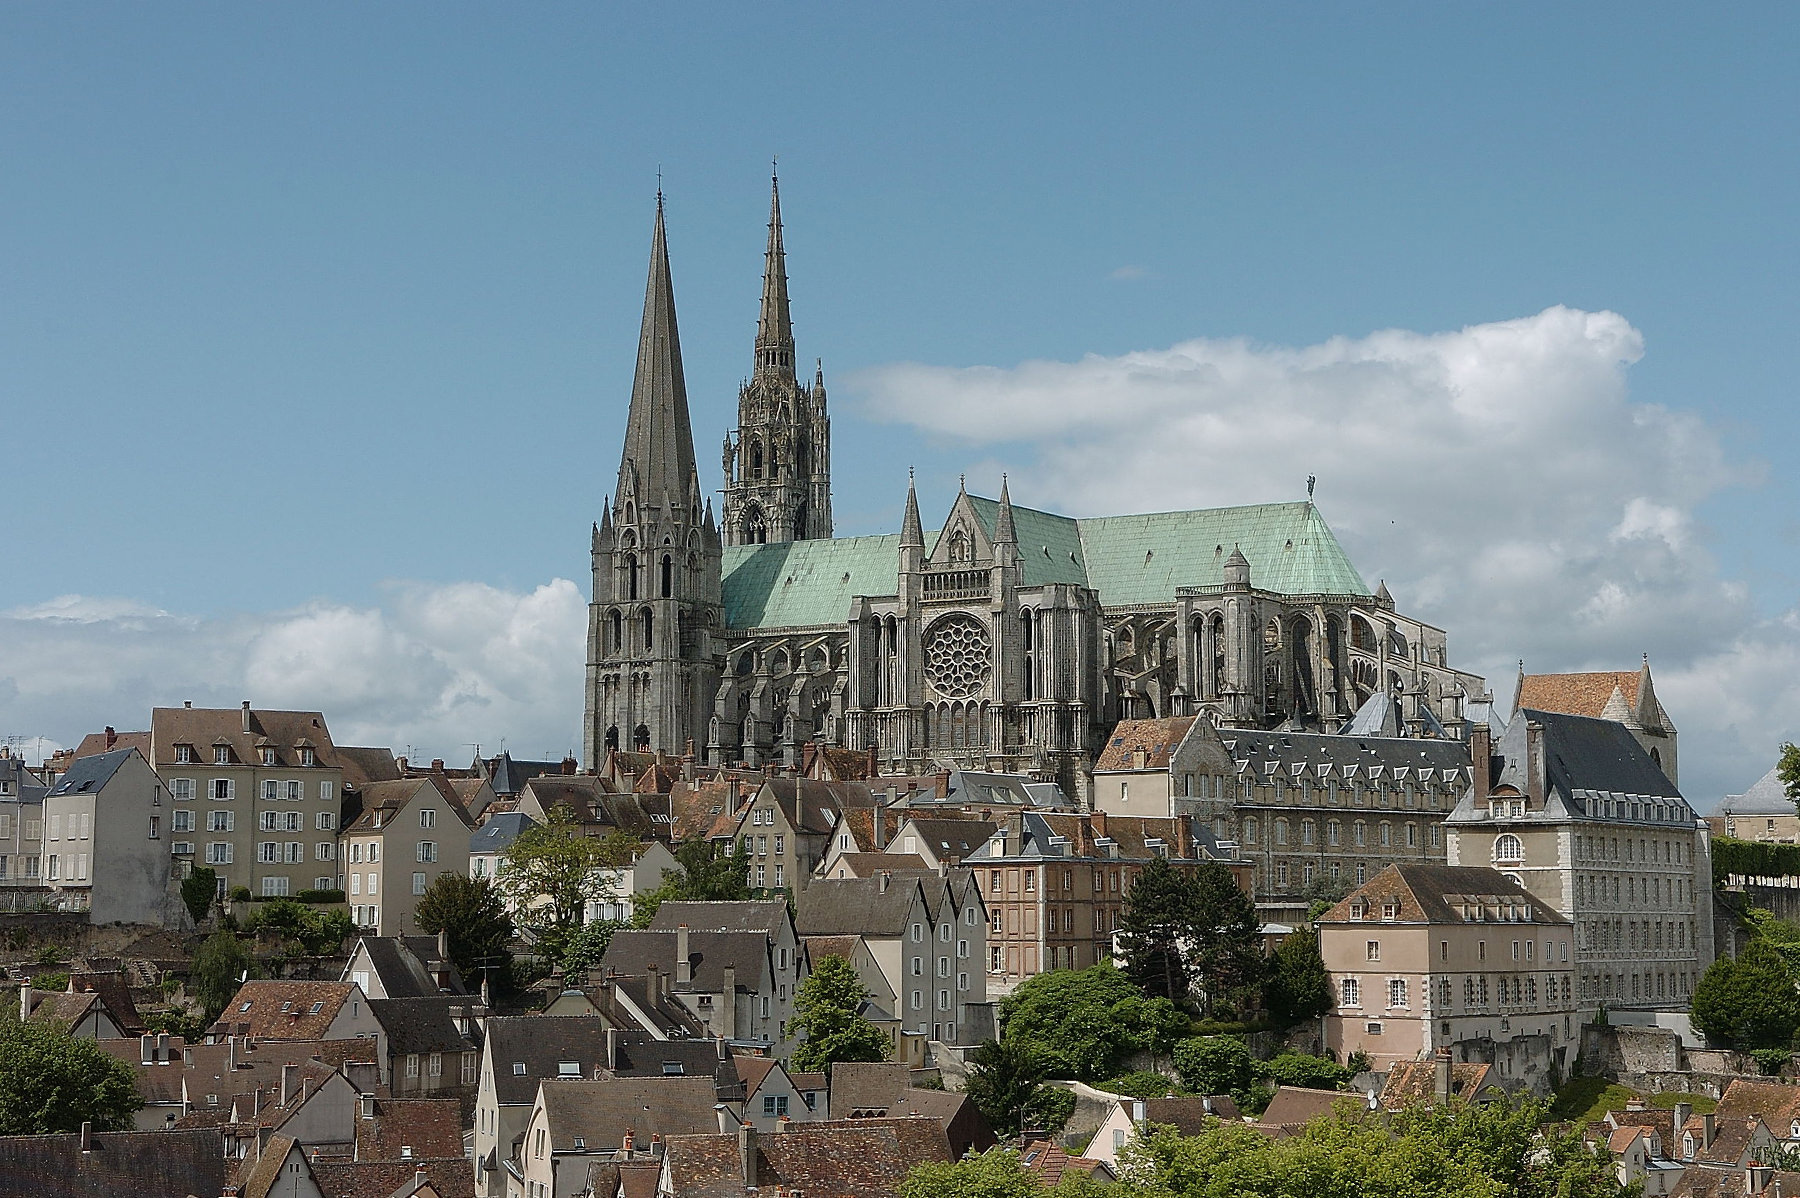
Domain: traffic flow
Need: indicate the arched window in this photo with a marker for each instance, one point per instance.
(800, 523)
(618, 633)
(640, 739)
(668, 576)
(1026, 644)
(649, 629)
(756, 459)
(631, 571)
(756, 528)
(612, 737)
(1509, 848)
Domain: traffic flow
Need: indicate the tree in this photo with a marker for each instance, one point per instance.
(1298, 987)
(828, 1015)
(480, 931)
(218, 970)
(1304, 1069)
(51, 1083)
(1217, 1065)
(707, 875)
(996, 1173)
(1006, 1084)
(1087, 1023)
(548, 875)
(1191, 935)
(199, 890)
(1787, 768)
(587, 948)
(1749, 1002)
(301, 927)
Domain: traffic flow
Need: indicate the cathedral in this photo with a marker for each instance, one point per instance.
(1006, 639)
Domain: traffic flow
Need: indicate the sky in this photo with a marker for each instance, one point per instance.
(317, 322)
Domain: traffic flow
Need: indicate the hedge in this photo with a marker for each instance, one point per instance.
(299, 896)
(1754, 859)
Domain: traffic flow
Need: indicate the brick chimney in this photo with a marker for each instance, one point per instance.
(747, 1154)
(1481, 758)
(1099, 822)
(729, 998)
(112, 738)
(568, 766)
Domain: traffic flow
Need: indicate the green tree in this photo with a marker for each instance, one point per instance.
(708, 874)
(301, 927)
(1158, 914)
(1298, 987)
(52, 1082)
(1226, 954)
(1748, 1002)
(1088, 1022)
(480, 930)
(1216, 1065)
(1007, 1085)
(828, 1016)
(996, 1173)
(1787, 768)
(549, 876)
(218, 970)
(1191, 936)
(199, 890)
(587, 948)
(1303, 1069)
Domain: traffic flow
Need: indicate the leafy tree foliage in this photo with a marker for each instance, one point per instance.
(1298, 987)
(1190, 936)
(1088, 1022)
(1456, 1151)
(588, 946)
(707, 875)
(1303, 1069)
(548, 875)
(51, 1082)
(219, 968)
(302, 928)
(1007, 1085)
(1787, 768)
(1216, 1065)
(199, 890)
(480, 930)
(996, 1173)
(1748, 1002)
(828, 1015)
(1141, 1083)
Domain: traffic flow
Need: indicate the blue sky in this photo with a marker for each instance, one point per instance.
(310, 308)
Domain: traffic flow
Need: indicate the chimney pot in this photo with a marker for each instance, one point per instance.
(112, 738)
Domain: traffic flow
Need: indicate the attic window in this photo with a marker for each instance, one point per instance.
(221, 755)
(673, 1069)
(316, 1008)
(184, 754)
(580, 1142)
(268, 756)
(243, 1006)
(286, 1007)
(308, 757)
(568, 1069)
(518, 1068)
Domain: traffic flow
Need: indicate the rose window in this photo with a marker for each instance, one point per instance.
(957, 656)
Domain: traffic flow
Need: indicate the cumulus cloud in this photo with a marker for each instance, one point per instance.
(434, 667)
(1500, 477)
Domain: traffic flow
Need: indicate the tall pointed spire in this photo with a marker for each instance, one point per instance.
(912, 532)
(659, 440)
(1003, 520)
(775, 327)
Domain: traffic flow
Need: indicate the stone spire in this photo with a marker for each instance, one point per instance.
(1003, 520)
(912, 532)
(775, 327)
(659, 441)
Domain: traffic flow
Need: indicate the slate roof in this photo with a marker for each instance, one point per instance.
(150, 1164)
(89, 775)
(1158, 738)
(451, 1178)
(867, 865)
(600, 1112)
(951, 839)
(540, 1043)
(855, 907)
(363, 765)
(431, 1127)
(767, 916)
(633, 952)
(1585, 755)
(422, 1025)
(510, 776)
(404, 965)
(1767, 796)
(1438, 894)
(498, 833)
(1326, 757)
(805, 584)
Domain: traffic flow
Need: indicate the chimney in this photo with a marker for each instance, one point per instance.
(612, 1047)
(437, 765)
(684, 968)
(230, 1052)
(1099, 819)
(625, 1144)
(443, 944)
(727, 1121)
(943, 784)
(784, 1124)
(747, 1154)
(1683, 1112)
(87, 1136)
(1140, 759)
(147, 1050)
(880, 824)
(1481, 757)
(112, 738)
(162, 1048)
(568, 766)
(420, 1177)
(1137, 1111)
(288, 1072)
(1709, 1125)
(1537, 776)
(1440, 1081)
(886, 878)
(656, 1145)
(25, 999)
(1757, 1178)
(729, 998)
(246, 715)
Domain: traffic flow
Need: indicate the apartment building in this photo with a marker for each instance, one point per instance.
(1424, 957)
(21, 823)
(106, 839)
(254, 795)
(1577, 810)
(409, 832)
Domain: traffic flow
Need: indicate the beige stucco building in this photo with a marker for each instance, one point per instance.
(253, 794)
(1424, 957)
(409, 832)
(1578, 812)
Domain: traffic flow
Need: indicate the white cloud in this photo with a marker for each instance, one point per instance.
(436, 667)
(1499, 477)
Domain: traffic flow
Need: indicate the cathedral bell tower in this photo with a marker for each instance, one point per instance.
(657, 602)
(778, 460)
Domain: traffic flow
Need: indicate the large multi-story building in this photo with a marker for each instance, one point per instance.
(106, 839)
(1576, 809)
(21, 823)
(1011, 639)
(409, 832)
(1424, 957)
(255, 795)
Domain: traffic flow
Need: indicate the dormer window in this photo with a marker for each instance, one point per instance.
(184, 754)
(1390, 911)
(308, 757)
(268, 756)
(221, 755)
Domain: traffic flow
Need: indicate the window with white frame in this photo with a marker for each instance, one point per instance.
(418, 883)
(1397, 992)
(218, 852)
(222, 789)
(427, 817)
(221, 821)
(1509, 848)
(221, 755)
(326, 821)
(427, 850)
(271, 790)
(1350, 993)
(326, 850)
(181, 790)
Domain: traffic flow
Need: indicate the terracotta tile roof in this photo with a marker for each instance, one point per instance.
(115, 996)
(97, 742)
(1439, 894)
(1620, 1139)
(860, 823)
(451, 1178)
(1048, 1162)
(284, 1010)
(431, 1127)
(1733, 1139)
(1416, 1081)
(870, 1086)
(1295, 1106)
(1156, 738)
(856, 1158)
(389, 798)
(61, 1007)
(1777, 1103)
(820, 947)
(1576, 694)
(1190, 1116)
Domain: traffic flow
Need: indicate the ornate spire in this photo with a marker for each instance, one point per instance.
(912, 532)
(659, 441)
(774, 327)
(1003, 521)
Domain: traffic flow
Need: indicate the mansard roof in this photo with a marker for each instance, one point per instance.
(1141, 559)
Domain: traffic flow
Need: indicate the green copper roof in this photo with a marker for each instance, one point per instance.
(1143, 559)
(796, 584)
(1127, 559)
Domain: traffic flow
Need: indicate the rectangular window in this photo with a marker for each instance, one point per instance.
(355, 883)
(326, 850)
(181, 789)
(271, 790)
(268, 851)
(156, 827)
(292, 791)
(267, 821)
(292, 821)
(427, 850)
(427, 817)
(373, 879)
(1350, 993)
(327, 792)
(1374, 950)
(775, 1105)
(221, 755)
(222, 789)
(184, 754)
(218, 852)
(437, 1064)
(326, 821)
(780, 845)
(275, 885)
(418, 883)
(1397, 992)
(412, 1070)
(181, 821)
